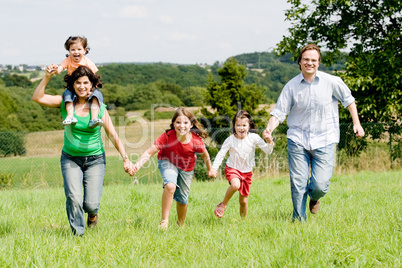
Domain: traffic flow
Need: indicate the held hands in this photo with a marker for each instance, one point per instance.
(267, 134)
(129, 167)
(212, 173)
(51, 70)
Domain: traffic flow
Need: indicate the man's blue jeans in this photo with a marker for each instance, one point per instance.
(82, 173)
(300, 159)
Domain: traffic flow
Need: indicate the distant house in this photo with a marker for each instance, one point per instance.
(31, 68)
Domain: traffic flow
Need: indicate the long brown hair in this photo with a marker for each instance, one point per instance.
(240, 115)
(197, 127)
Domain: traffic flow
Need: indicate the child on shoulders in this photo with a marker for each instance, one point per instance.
(77, 46)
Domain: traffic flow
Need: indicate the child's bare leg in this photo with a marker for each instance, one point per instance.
(181, 213)
(95, 107)
(167, 200)
(243, 200)
(234, 186)
(70, 109)
(70, 119)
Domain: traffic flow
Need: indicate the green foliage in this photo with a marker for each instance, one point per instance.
(395, 131)
(349, 143)
(170, 99)
(200, 171)
(8, 110)
(19, 113)
(137, 74)
(227, 96)
(194, 96)
(372, 31)
(144, 98)
(34, 74)
(118, 116)
(12, 143)
(155, 115)
(15, 80)
(6, 180)
(142, 86)
(115, 95)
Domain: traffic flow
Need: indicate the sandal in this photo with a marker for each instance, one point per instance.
(220, 209)
(163, 225)
(70, 121)
(95, 122)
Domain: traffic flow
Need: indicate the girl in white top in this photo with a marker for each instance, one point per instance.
(239, 166)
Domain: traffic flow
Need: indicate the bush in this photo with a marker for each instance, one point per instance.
(349, 143)
(5, 180)
(200, 171)
(12, 143)
(118, 116)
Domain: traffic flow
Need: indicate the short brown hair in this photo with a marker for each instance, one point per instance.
(309, 47)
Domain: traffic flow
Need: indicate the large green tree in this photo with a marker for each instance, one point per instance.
(371, 31)
(226, 95)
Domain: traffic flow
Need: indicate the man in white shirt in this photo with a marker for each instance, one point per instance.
(310, 100)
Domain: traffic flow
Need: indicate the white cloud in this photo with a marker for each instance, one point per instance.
(177, 36)
(166, 19)
(138, 12)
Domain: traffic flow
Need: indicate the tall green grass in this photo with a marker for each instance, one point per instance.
(34, 172)
(359, 225)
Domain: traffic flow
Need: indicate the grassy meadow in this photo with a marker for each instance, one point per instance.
(359, 225)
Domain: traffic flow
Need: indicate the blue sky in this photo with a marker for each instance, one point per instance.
(175, 31)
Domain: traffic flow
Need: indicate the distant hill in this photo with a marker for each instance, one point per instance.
(134, 86)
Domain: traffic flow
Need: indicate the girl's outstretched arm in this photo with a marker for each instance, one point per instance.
(207, 161)
(59, 69)
(145, 157)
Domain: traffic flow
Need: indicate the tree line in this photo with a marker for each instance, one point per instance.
(132, 86)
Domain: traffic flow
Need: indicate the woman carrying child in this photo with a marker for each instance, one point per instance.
(83, 159)
(177, 148)
(239, 166)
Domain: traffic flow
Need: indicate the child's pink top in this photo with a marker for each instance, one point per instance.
(71, 66)
(179, 154)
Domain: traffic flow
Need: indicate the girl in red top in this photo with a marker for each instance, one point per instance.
(176, 161)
